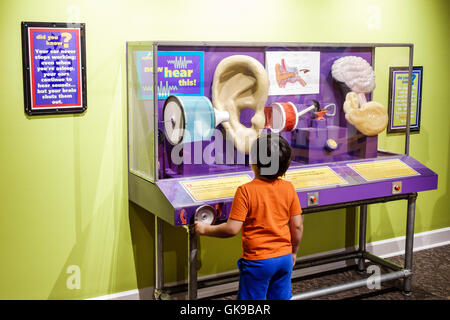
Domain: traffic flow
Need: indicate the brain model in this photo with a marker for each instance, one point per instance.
(355, 72)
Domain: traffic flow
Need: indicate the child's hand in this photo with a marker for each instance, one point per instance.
(200, 227)
(294, 257)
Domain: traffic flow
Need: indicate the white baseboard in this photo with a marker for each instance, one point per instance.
(384, 248)
(422, 241)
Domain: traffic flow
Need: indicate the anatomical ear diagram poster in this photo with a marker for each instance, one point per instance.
(293, 72)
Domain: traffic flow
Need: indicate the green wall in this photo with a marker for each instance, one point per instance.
(64, 178)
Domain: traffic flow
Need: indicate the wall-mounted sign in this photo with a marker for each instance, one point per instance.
(179, 73)
(54, 67)
(398, 98)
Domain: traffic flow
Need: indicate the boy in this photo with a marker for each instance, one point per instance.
(268, 211)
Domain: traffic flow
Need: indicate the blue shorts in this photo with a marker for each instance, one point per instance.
(265, 279)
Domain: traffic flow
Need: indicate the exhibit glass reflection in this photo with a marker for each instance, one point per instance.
(199, 113)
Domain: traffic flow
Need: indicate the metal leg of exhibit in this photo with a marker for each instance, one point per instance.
(159, 291)
(362, 236)
(159, 259)
(192, 269)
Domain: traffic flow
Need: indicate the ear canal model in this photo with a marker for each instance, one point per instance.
(370, 119)
(241, 82)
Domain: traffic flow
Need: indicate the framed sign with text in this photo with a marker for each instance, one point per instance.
(398, 98)
(54, 67)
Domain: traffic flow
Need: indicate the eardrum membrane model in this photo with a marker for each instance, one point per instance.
(190, 119)
(283, 116)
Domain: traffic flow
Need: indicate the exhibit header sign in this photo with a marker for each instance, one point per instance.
(54, 67)
(180, 73)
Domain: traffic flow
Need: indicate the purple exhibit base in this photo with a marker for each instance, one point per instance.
(355, 188)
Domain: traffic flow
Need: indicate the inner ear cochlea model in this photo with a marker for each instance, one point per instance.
(241, 82)
(370, 119)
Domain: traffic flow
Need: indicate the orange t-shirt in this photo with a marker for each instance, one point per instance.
(265, 208)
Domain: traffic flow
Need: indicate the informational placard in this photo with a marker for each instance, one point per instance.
(313, 178)
(293, 72)
(383, 169)
(216, 188)
(54, 67)
(398, 98)
(179, 73)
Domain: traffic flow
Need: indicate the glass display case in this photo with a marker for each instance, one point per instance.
(191, 123)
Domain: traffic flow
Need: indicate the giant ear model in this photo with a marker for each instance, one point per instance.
(241, 82)
(370, 118)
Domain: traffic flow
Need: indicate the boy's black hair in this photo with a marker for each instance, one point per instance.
(272, 155)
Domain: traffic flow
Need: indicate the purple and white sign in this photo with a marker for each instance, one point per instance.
(55, 68)
(179, 73)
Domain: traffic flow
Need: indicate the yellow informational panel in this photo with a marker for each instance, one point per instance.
(385, 169)
(314, 177)
(217, 188)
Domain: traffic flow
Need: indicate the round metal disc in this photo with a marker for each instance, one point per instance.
(206, 214)
(173, 120)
